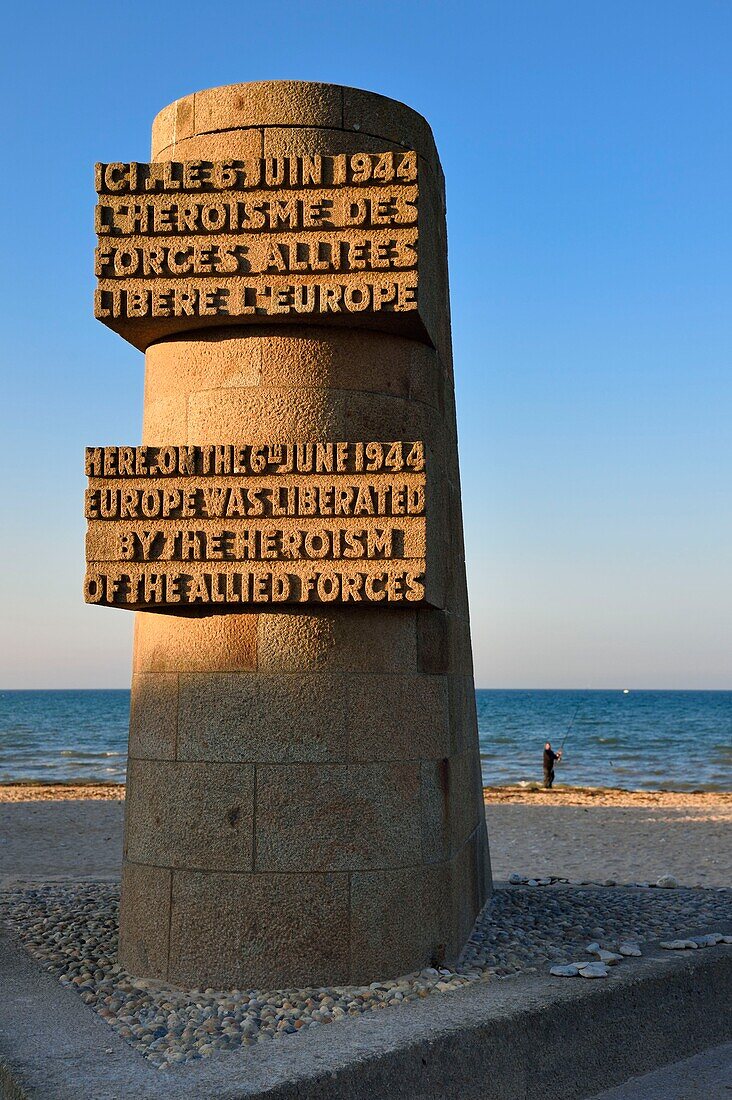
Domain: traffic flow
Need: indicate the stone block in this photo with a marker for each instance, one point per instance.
(262, 718)
(337, 817)
(213, 360)
(262, 415)
(340, 359)
(397, 717)
(269, 103)
(461, 649)
(466, 804)
(427, 383)
(154, 716)
(173, 124)
(443, 641)
(195, 815)
(229, 145)
(195, 643)
(463, 717)
(433, 641)
(367, 113)
(436, 804)
(381, 417)
(145, 920)
(164, 419)
(352, 640)
(470, 883)
(452, 805)
(266, 931)
(305, 141)
(400, 921)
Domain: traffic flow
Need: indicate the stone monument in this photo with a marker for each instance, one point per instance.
(304, 801)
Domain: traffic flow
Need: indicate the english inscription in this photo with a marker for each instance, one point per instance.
(237, 524)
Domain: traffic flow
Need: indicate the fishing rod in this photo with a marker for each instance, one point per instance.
(569, 727)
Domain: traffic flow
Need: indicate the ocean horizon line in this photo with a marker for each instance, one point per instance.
(568, 690)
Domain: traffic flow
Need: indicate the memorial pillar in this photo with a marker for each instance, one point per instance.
(304, 800)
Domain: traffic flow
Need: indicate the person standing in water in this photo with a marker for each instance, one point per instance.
(549, 757)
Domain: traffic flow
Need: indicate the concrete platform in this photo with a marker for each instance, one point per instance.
(528, 1038)
(706, 1076)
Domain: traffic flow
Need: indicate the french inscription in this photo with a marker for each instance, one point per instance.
(262, 237)
(275, 523)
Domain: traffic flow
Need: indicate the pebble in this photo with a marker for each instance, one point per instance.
(571, 970)
(667, 882)
(593, 970)
(710, 940)
(680, 945)
(71, 929)
(631, 950)
(609, 958)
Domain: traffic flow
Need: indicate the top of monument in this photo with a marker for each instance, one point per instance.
(280, 103)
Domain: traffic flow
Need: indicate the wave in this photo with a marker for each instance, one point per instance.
(74, 754)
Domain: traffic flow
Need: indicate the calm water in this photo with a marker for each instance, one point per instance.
(60, 736)
(681, 740)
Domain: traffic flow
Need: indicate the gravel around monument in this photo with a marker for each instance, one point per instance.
(72, 931)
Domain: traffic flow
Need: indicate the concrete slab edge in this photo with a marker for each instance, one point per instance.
(530, 1038)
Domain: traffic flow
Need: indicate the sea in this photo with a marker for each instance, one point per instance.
(637, 740)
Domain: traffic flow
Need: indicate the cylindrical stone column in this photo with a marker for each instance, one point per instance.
(304, 800)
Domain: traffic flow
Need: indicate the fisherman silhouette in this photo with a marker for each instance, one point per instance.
(549, 757)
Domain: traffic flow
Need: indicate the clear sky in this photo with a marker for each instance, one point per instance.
(588, 153)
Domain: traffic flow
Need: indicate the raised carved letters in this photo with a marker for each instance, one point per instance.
(304, 238)
(240, 524)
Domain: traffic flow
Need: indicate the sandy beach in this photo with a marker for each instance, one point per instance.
(72, 832)
(600, 834)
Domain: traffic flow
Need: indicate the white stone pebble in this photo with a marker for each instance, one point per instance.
(570, 970)
(710, 940)
(594, 970)
(632, 950)
(667, 882)
(609, 958)
(679, 945)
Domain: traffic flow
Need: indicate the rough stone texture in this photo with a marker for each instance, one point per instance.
(154, 716)
(304, 815)
(346, 736)
(261, 928)
(144, 918)
(297, 718)
(188, 815)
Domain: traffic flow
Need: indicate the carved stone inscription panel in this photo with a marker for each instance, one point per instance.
(328, 522)
(328, 239)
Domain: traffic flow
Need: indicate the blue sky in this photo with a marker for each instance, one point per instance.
(588, 158)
